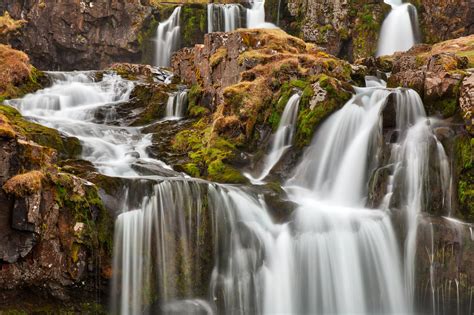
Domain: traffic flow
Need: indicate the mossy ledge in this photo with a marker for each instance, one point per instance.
(240, 83)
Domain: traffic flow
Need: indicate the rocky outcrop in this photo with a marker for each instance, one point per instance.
(55, 234)
(351, 28)
(79, 34)
(436, 72)
(244, 79)
(54, 228)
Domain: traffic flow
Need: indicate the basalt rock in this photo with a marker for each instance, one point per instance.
(79, 34)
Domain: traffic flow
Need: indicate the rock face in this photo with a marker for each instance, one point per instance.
(54, 229)
(436, 72)
(444, 266)
(79, 34)
(350, 28)
(55, 234)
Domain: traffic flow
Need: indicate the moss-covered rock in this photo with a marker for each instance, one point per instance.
(464, 169)
(67, 147)
(244, 79)
(17, 76)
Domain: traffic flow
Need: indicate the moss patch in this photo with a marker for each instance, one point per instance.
(66, 146)
(464, 152)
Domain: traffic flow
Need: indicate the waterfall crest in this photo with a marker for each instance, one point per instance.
(168, 38)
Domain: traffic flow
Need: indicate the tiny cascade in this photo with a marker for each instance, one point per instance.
(167, 38)
(399, 30)
(176, 105)
(224, 17)
(282, 139)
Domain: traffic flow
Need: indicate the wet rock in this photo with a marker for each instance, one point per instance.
(444, 262)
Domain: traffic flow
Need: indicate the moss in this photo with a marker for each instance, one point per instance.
(192, 169)
(218, 56)
(218, 171)
(17, 76)
(6, 129)
(24, 184)
(194, 99)
(193, 24)
(66, 146)
(309, 118)
(464, 153)
(152, 98)
(208, 153)
(86, 206)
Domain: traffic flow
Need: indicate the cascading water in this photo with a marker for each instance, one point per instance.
(399, 30)
(282, 140)
(176, 105)
(223, 17)
(416, 149)
(204, 248)
(167, 38)
(256, 15)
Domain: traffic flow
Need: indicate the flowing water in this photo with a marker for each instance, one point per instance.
(176, 105)
(223, 17)
(282, 139)
(205, 248)
(256, 15)
(399, 30)
(167, 38)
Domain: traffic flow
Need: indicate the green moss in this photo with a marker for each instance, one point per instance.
(192, 169)
(193, 24)
(309, 118)
(152, 99)
(208, 154)
(194, 99)
(67, 147)
(464, 153)
(86, 207)
(218, 171)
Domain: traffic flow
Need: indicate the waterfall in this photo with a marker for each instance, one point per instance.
(176, 105)
(283, 138)
(256, 15)
(417, 148)
(223, 17)
(399, 29)
(189, 246)
(167, 38)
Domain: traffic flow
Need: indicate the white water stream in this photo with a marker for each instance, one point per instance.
(399, 28)
(282, 139)
(176, 105)
(332, 256)
(223, 17)
(167, 38)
